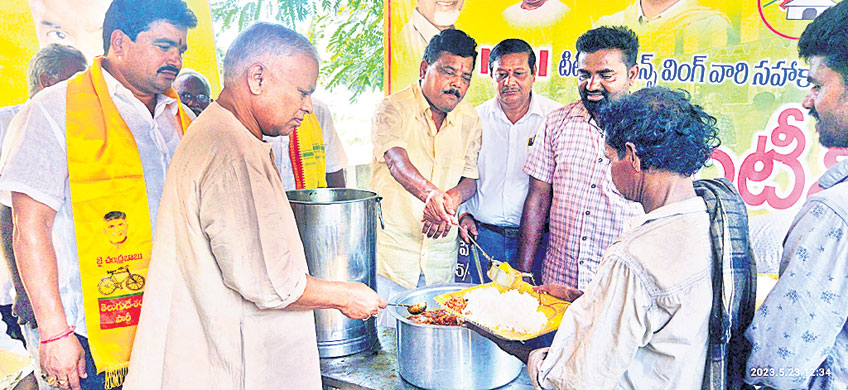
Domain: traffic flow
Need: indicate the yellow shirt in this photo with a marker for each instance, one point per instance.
(443, 157)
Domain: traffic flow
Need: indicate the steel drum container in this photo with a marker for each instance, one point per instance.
(338, 228)
(447, 357)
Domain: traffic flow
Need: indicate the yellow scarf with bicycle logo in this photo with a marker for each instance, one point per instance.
(306, 151)
(111, 218)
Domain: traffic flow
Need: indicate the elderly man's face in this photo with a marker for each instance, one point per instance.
(442, 13)
(152, 62)
(286, 99)
(624, 176)
(193, 92)
(513, 78)
(828, 103)
(445, 81)
(75, 23)
(603, 76)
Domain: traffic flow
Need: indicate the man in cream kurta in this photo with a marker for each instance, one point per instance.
(241, 254)
(228, 295)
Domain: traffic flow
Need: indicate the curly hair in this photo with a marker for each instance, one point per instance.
(453, 41)
(827, 36)
(669, 132)
(617, 37)
(134, 17)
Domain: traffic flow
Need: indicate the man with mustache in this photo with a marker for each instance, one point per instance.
(98, 142)
(510, 120)
(569, 175)
(799, 335)
(425, 165)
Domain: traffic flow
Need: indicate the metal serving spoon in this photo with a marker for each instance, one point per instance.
(417, 308)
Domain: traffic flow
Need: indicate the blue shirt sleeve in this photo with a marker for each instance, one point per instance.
(794, 331)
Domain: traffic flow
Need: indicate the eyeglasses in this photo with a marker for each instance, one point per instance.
(200, 98)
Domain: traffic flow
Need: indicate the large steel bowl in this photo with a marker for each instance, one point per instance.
(447, 357)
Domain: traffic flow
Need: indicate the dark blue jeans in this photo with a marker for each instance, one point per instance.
(503, 247)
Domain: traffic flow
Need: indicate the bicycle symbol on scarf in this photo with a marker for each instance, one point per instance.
(131, 281)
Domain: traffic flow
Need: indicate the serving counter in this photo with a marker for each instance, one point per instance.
(377, 369)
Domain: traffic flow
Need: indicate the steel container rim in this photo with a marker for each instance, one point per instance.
(365, 196)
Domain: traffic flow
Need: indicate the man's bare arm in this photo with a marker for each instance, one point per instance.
(537, 206)
(407, 175)
(354, 300)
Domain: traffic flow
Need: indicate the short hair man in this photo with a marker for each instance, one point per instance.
(115, 226)
(73, 23)
(510, 120)
(425, 159)
(108, 134)
(647, 316)
(229, 302)
(799, 335)
(48, 66)
(311, 156)
(193, 89)
(569, 174)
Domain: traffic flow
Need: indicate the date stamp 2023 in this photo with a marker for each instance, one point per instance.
(762, 372)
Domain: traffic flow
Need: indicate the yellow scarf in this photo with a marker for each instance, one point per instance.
(306, 150)
(111, 218)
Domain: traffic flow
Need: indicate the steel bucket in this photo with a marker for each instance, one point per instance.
(447, 357)
(338, 228)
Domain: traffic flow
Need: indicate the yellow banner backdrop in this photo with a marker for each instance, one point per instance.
(738, 59)
(29, 24)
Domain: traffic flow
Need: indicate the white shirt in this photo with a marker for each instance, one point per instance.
(334, 154)
(6, 287)
(35, 163)
(643, 323)
(503, 185)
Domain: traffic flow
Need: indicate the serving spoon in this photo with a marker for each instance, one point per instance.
(413, 309)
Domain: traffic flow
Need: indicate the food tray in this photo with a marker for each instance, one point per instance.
(553, 308)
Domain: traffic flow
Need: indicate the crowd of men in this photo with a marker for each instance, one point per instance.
(126, 164)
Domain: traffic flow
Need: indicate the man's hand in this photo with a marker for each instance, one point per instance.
(467, 227)
(23, 311)
(362, 302)
(65, 360)
(514, 348)
(560, 291)
(435, 231)
(440, 208)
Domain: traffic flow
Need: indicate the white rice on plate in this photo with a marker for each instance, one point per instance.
(511, 310)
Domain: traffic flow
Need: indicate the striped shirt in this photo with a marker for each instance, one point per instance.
(587, 212)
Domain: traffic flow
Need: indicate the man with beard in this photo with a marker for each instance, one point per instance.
(98, 142)
(194, 90)
(425, 162)
(799, 335)
(569, 176)
(510, 120)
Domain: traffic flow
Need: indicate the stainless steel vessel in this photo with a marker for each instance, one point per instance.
(338, 228)
(447, 357)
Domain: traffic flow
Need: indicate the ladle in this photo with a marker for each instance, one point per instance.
(413, 309)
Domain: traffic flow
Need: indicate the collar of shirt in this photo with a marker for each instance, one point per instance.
(116, 89)
(692, 205)
(835, 175)
(663, 15)
(496, 111)
(427, 111)
(423, 26)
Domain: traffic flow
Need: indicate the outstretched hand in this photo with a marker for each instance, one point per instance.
(560, 291)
